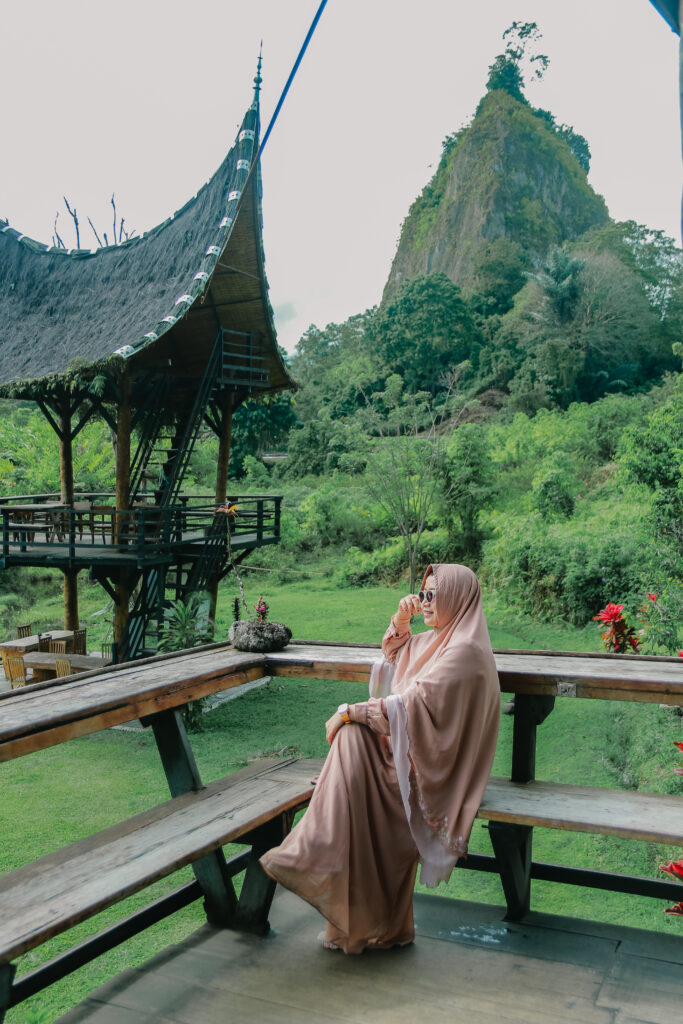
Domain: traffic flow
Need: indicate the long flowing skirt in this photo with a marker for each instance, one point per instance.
(352, 855)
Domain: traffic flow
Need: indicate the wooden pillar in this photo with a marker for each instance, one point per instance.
(66, 478)
(224, 438)
(123, 583)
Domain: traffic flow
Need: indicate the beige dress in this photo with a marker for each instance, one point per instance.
(403, 782)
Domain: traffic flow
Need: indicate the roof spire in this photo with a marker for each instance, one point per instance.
(258, 79)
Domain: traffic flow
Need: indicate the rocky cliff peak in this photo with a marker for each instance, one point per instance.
(508, 175)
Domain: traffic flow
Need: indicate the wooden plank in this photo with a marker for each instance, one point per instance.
(606, 677)
(33, 720)
(146, 705)
(36, 718)
(54, 893)
(653, 817)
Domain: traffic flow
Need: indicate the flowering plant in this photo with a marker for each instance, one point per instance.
(619, 637)
(261, 609)
(675, 867)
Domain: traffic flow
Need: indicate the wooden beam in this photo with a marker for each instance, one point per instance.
(66, 480)
(123, 431)
(223, 412)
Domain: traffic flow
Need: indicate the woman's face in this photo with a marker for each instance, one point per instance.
(428, 607)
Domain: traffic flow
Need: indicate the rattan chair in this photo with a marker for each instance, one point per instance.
(63, 666)
(24, 631)
(16, 670)
(79, 641)
(57, 647)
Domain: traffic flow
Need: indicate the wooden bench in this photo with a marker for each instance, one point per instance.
(256, 806)
(514, 806)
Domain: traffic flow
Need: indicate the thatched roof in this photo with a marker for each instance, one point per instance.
(155, 301)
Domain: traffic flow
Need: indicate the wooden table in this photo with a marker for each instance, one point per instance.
(23, 517)
(30, 643)
(44, 664)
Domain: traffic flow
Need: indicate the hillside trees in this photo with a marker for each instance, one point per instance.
(424, 332)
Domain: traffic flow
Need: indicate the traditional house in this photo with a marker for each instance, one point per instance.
(158, 335)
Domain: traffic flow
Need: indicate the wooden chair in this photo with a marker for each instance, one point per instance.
(106, 650)
(57, 647)
(63, 666)
(16, 670)
(79, 641)
(83, 516)
(44, 643)
(24, 631)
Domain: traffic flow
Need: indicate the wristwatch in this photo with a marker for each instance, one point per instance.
(343, 710)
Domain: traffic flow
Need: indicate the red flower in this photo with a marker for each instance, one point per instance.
(674, 868)
(634, 641)
(678, 744)
(653, 597)
(680, 654)
(675, 911)
(610, 613)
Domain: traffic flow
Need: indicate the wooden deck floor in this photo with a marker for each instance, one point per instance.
(467, 965)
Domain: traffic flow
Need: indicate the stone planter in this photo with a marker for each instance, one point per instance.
(259, 636)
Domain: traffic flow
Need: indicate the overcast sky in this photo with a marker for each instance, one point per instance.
(143, 97)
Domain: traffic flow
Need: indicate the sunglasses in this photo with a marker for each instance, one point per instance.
(426, 595)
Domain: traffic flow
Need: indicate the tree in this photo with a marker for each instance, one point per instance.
(499, 271)
(260, 424)
(467, 485)
(405, 471)
(426, 330)
(510, 67)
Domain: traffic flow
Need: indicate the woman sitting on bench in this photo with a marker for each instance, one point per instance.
(405, 774)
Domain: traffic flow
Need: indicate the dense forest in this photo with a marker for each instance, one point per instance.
(515, 401)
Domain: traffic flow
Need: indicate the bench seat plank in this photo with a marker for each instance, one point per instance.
(63, 888)
(654, 817)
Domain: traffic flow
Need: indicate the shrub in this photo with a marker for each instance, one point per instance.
(388, 563)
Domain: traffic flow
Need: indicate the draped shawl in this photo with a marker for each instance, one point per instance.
(443, 715)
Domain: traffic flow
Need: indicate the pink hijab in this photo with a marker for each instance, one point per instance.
(443, 715)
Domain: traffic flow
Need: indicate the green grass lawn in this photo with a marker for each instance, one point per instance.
(56, 796)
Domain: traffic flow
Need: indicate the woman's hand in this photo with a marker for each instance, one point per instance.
(332, 726)
(407, 607)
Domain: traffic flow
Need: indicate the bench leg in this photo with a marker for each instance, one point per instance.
(182, 774)
(257, 888)
(7, 972)
(512, 847)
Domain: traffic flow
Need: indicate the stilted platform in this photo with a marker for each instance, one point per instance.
(466, 965)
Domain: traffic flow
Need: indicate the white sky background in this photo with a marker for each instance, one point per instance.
(144, 98)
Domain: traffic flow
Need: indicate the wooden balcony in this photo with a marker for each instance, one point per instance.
(39, 530)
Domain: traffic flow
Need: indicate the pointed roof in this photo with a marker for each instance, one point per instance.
(157, 299)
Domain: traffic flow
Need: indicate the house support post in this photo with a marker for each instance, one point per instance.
(123, 429)
(66, 477)
(224, 414)
(512, 843)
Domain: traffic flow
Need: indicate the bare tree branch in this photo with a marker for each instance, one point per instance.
(55, 234)
(99, 240)
(75, 219)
